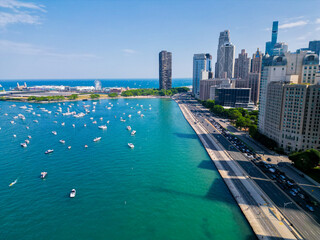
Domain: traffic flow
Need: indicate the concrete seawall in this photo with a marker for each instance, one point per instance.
(265, 220)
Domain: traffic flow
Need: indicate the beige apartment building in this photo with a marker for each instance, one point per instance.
(293, 115)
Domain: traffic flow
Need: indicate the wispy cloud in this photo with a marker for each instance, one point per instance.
(19, 12)
(15, 5)
(29, 49)
(293, 24)
(11, 18)
(129, 51)
(318, 21)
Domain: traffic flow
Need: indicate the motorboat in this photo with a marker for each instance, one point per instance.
(69, 147)
(23, 107)
(84, 125)
(12, 122)
(133, 132)
(129, 115)
(73, 125)
(103, 127)
(101, 118)
(14, 135)
(36, 121)
(27, 127)
(27, 141)
(29, 137)
(62, 141)
(49, 151)
(130, 145)
(97, 139)
(43, 175)
(54, 132)
(62, 124)
(94, 122)
(129, 128)
(13, 183)
(85, 146)
(73, 193)
(23, 145)
(108, 121)
(142, 115)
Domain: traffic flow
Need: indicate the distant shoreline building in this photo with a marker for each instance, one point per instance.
(165, 70)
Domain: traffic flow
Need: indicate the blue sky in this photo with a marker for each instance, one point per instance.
(63, 39)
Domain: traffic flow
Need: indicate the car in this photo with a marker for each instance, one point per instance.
(272, 170)
(290, 183)
(310, 208)
(293, 193)
(301, 195)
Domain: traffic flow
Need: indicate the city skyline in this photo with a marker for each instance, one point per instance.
(105, 36)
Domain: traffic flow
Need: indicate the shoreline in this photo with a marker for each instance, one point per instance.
(263, 204)
(23, 100)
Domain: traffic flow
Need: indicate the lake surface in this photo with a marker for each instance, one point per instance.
(165, 188)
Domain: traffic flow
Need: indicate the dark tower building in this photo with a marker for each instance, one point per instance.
(165, 70)
(315, 46)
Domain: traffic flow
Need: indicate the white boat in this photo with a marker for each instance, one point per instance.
(62, 141)
(36, 121)
(69, 147)
(12, 122)
(54, 132)
(103, 127)
(73, 125)
(15, 117)
(27, 141)
(14, 135)
(23, 107)
(129, 128)
(142, 115)
(62, 124)
(97, 139)
(139, 112)
(49, 151)
(101, 118)
(23, 145)
(73, 193)
(13, 183)
(94, 122)
(43, 175)
(130, 145)
(84, 125)
(122, 120)
(91, 118)
(133, 132)
(29, 137)
(108, 122)
(129, 115)
(27, 127)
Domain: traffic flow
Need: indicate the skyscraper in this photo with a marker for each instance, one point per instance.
(274, 36)
(315, 46)
(201, 65)
(165, 70)
(255, 75)
(242, 65)
(225, 56)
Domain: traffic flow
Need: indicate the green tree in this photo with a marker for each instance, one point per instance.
(93, 96)
(218, 109)
(306, 160)
(73, 96)
(113, 94)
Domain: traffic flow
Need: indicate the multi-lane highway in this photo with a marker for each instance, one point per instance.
(302, 221)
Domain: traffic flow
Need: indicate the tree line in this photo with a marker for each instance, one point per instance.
(153, 92)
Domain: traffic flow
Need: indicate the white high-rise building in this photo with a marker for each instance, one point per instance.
(97, 85)
(201, 70)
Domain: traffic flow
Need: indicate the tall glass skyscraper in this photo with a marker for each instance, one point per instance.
(274, 37)
(201, 66)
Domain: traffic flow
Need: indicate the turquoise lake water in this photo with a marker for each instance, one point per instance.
(165, 188)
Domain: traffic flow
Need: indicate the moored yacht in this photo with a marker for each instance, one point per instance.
(62, 141)
(43, 175)
(49, 151)
(97, 139)
(73, 193)
(133, 132)
(130, 145)
(23, 145)
(27, 141)
(129, 128)
(54, 132)
(103, 127)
